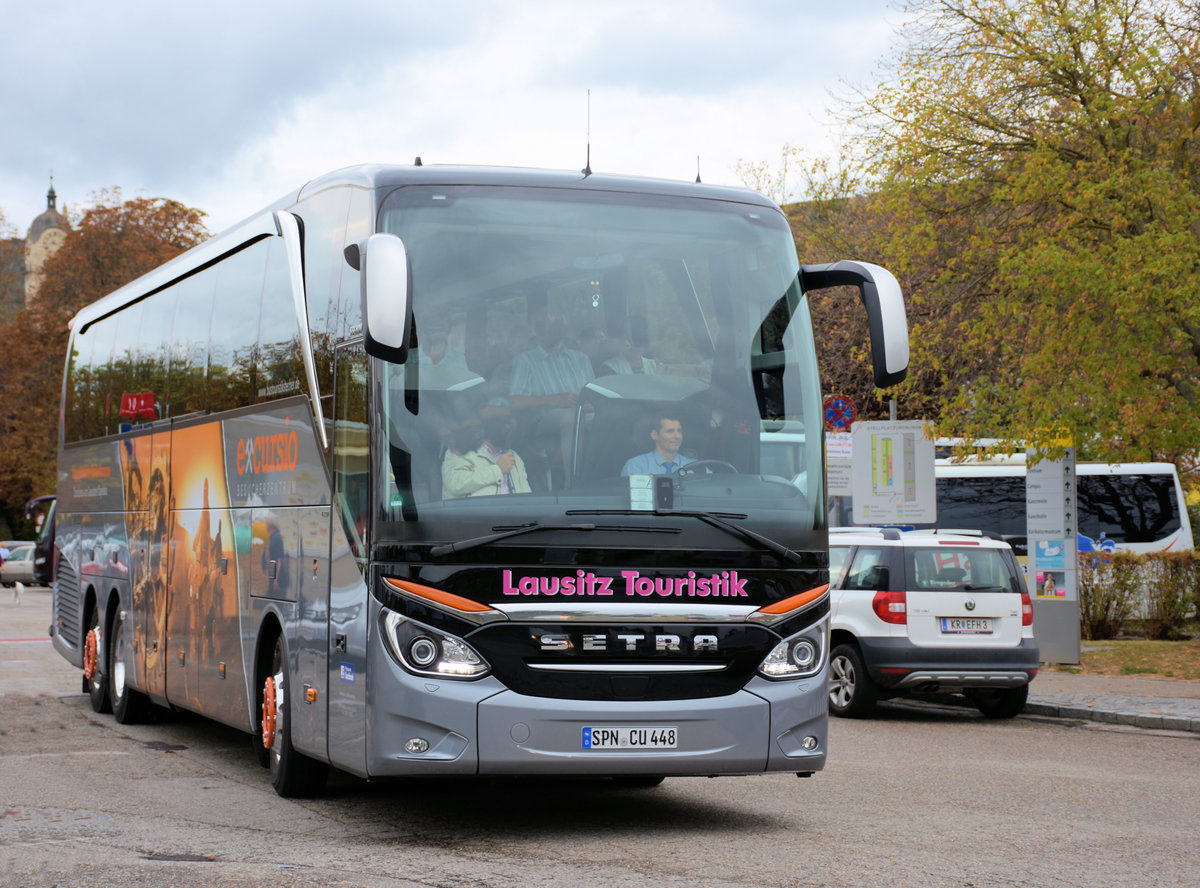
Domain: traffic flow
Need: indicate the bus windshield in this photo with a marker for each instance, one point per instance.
(597, 353)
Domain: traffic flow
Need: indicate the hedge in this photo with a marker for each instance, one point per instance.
(1154, 595)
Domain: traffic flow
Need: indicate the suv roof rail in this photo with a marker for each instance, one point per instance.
(888, 533)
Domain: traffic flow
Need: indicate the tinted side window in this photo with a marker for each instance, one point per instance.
(189, 344)
(324, 217)
(234, 337)
(79, 382)
(280, 367)
(154, 341)
(359, 225)
(985, 503)
(102, 417)
(1128, 508)
(124, 381)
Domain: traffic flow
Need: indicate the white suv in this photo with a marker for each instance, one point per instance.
(918, 612)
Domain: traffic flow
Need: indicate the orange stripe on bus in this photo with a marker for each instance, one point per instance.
(795, 602)
(437, 595)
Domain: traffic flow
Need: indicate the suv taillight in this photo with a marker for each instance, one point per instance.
(891, 607)
(1026, 610)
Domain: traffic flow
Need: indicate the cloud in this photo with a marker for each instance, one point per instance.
(229, 109)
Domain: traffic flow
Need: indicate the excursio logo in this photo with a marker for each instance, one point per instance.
(268, 453)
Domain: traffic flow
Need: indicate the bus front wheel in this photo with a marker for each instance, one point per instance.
(293, 774)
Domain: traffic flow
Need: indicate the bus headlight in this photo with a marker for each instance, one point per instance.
(428, 651)
(799, 656)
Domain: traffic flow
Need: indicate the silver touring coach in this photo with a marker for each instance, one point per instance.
(435, 470)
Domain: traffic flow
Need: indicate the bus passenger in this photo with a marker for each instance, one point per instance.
(549, 374)
(484, 470)
(665, 458)
(632, 358)
(545, 386)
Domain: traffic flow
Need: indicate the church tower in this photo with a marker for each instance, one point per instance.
(46, 235)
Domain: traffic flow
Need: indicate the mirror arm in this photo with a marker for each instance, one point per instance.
(289, 230)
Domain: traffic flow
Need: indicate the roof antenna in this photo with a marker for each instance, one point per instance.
(697, 169)
(417, 162)
(587, 170)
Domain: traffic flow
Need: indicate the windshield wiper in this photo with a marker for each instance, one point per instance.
(716, 520)
(474, 542)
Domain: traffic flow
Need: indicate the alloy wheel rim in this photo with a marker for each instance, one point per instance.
(841, 687)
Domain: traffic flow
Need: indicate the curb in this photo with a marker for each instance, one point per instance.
(1137, 719)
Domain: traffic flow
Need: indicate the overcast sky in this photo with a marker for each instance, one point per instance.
(227, 106)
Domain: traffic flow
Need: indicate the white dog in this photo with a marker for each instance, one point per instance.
(18, 588)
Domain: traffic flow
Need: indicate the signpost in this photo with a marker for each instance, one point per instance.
(1051, 519)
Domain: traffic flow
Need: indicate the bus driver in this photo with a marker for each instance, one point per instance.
(665, 458)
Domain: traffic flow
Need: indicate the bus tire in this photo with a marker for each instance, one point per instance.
(293, 774)
(852, 693)
(1000, 702)
(94, 664)
(129, 706)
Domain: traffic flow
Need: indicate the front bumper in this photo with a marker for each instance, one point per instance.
(484, 728)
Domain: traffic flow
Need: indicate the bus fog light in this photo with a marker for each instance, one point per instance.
(420, 744)
(809, 743)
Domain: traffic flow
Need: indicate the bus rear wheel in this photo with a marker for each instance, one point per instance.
(129, 706)
(293, 774)
(94, 656)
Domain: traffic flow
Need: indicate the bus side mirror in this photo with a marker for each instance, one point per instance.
(386, 300)
(881, 297)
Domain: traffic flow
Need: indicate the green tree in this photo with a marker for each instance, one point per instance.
(1030, 171)
(114, 242)
(1038, 159)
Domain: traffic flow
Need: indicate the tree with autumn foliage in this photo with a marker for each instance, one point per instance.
(1030, 170)
(113, 242)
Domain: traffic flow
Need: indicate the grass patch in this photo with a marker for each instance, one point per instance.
(1165, 659)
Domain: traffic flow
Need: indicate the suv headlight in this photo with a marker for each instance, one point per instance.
(798, 656)
(428, 651)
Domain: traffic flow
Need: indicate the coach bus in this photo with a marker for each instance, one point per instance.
(355, 477)
(1131, 507)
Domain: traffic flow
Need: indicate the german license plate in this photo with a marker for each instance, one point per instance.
(966, 625)
(650, 737)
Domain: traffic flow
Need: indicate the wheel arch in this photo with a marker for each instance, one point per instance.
(843, 636)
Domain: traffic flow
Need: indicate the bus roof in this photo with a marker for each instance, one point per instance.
(372, 176)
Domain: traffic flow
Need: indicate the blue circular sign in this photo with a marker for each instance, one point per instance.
(839, 412)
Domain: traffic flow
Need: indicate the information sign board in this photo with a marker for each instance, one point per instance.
(893, 477)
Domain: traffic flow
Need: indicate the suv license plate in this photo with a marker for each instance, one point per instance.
(966, 625)
(654, 737)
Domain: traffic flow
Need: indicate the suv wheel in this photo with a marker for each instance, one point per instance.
(852, 693)
(1000, 702)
